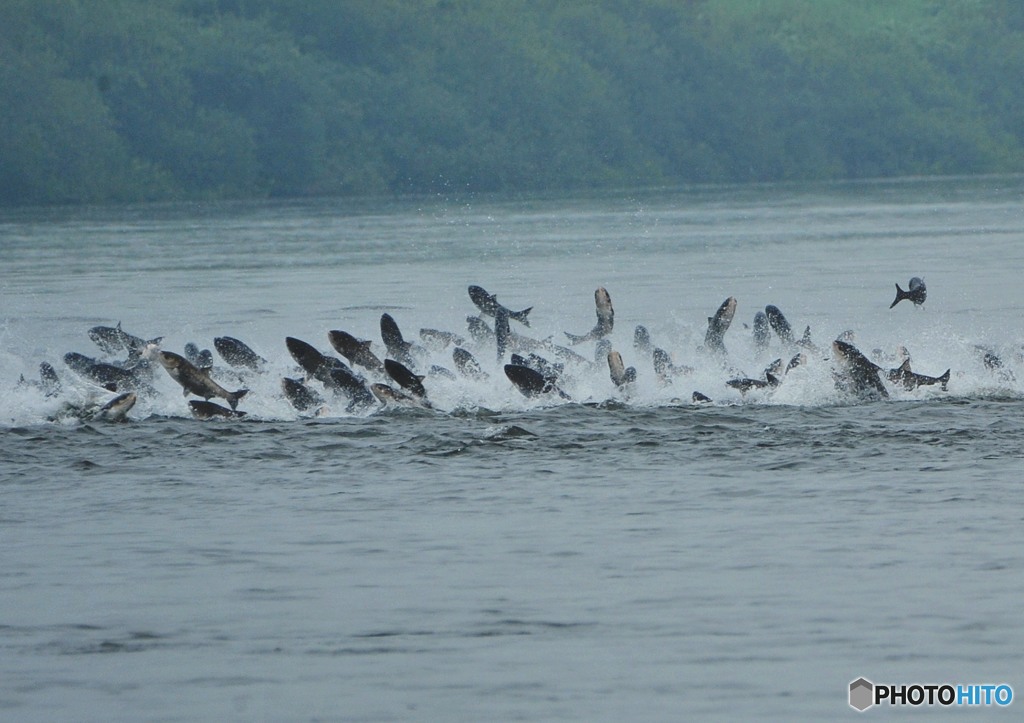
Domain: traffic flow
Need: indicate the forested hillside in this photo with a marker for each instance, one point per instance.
(115, 100)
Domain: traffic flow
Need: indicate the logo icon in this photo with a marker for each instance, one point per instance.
(861, 694)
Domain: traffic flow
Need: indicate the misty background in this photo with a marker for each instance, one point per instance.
(128, 100)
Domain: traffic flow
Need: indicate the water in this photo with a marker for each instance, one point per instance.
(621, 556)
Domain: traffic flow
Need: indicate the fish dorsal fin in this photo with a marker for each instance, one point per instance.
(905, 366)
(420, 377)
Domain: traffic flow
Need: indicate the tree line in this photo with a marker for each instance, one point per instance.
(125, 100)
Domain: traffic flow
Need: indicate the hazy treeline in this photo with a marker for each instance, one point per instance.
(111, 100)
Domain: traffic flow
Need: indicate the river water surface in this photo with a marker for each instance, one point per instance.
(623, 555)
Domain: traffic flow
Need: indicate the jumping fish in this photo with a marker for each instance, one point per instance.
(238, 354)
(718, 325)
(467, 364)
(779, 324)
(357, 351)
(195, 380)
(488, 304)
(605, 319)
(917, 292)
(861, 374)
(396, 345)
(531, 383)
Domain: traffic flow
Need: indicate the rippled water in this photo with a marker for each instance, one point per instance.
(619, 556)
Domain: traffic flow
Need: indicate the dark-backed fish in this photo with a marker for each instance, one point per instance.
(911, 380)
(916, 292)
(388, 395)
(398, 348)
(112, 339)
(441, 340)
(467, 364)
(479, 330)
(861, 375)
(762, 331)
(664, 368)
(203, 409)
(238, 353)
(301, 397)
(502, 331)
(488, 304)
(779, 324)
(195, 380)
(549, 370)
(339, 378)
(531, 383)
(357, 351)
(405, 377)
(306, 356)
(718, 325)
(116, 410)
(109, 376)
(49, 382)
(642, 340)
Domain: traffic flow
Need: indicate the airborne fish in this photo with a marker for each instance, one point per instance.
(779, 324)
(531, 383)
(488, 304)
(467, 364)
(195, 380)
(357, 351)
(238, 354)
(405, 378)
(605, 319)
(861, 374)
(396, 345)
(718, 325)
(917, 292)
(911, 380)
(620, 374)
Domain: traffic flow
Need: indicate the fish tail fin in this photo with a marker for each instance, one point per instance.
(235, 397)
(522, 316)
(944, 380)
(900, 296)
(575, 338)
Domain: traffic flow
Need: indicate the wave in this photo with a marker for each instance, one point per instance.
(800, 372)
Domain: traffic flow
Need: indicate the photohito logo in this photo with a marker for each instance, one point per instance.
(864, 694)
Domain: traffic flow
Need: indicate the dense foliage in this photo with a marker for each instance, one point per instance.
(108, 100)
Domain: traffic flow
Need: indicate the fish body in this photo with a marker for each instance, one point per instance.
(195, 380)
(398, 348)
(860, 374)
(203, 409)
(405, 378)
(605, 319)
(238, 354)
(300, 396)
(718, 325)
(357, 351)
(779, 324)
(531, 383)
(916, 292)
(488, 304)
(467, 364)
